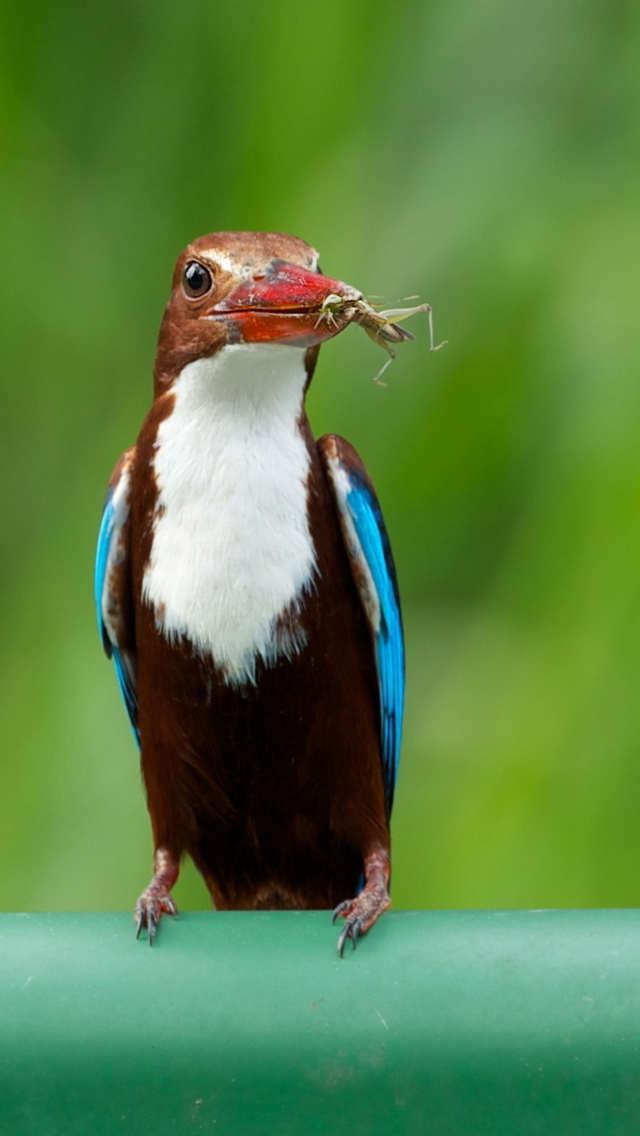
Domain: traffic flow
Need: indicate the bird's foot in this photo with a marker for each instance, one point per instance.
(156, 899)
(153, 902)
(361, 913)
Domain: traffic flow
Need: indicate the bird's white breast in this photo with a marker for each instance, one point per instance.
(232, 550)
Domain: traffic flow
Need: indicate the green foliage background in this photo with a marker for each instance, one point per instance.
(482, 153)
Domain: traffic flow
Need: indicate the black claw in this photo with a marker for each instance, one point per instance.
(152, 927)
(344, 934)
(340, 909)
(139, 924)
(355, 931)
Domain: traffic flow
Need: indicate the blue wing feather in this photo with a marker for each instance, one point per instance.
(109, 533)
(360, 516)
(102, 556)
(388, 639)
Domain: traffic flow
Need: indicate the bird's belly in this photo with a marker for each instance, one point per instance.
(285, 759)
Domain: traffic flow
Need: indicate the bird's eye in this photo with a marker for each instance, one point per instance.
(196, 279)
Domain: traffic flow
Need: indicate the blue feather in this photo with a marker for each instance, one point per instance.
(102, 556)
(127, 688)
(389, 643)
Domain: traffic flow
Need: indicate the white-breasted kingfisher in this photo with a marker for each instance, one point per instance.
(247, 595)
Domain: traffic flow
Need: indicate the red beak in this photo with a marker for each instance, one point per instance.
(285, 303)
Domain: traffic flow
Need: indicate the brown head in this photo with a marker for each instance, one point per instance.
(244, 288)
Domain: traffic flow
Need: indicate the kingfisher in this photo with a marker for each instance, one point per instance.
(247, 595)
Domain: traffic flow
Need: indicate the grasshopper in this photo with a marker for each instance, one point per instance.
(383, 327)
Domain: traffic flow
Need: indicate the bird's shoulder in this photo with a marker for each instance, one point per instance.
(346, 472)
(122, 469)
(334, 449)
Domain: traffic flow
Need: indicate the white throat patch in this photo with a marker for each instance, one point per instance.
(232, 552)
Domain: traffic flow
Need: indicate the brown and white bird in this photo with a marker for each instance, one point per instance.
(246, 591)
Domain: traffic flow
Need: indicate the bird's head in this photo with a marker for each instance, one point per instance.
(233, 288)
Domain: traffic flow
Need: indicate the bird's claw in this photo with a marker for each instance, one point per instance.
(361, 913)
(153, 902)
(341, 909)
(351, 930)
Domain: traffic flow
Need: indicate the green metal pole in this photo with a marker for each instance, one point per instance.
(468, 1023)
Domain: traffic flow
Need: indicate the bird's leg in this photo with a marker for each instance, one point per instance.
(156, 898)
(361, 913)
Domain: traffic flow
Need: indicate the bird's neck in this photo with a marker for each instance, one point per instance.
(247, 380)
(232, 553)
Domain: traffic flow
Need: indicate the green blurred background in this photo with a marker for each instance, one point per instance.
(484, 154)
